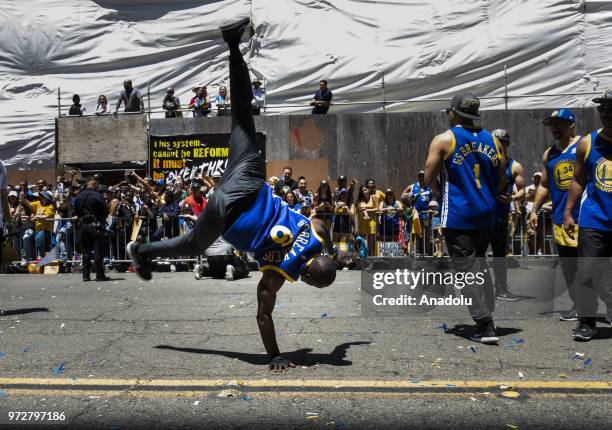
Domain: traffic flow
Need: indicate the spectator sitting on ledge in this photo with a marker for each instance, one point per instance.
(102, 106)
(76, 109)
(322, 99)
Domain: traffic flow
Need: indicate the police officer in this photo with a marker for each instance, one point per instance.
(90, 208)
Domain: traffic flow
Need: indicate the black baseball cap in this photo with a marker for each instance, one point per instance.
(606, 97)
(465, 105)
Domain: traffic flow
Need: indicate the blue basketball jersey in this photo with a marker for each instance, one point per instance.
(281, 239)
(423, 197)
(596, 209)
(470, 180)
(560, 167)
(502, 210)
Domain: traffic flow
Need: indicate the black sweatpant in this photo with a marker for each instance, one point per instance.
(467, 250)
(499, 246)
(568, 257)
(92, 245)
(594, 263)
(241, 182)
(218, 263)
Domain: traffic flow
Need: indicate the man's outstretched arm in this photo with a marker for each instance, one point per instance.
(269, 284)
(576, 188)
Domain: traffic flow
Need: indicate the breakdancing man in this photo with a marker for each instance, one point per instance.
(244, 211)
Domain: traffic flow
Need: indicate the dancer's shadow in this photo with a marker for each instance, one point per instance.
(466, 331)
(302, 357)
(8, 312)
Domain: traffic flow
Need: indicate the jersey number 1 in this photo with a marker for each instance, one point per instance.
(477, 174)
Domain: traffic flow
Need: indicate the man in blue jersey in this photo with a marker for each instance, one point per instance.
(422, 198)
(593, 181)
(245, 212)
(473, 174)
(499, 240)
(558, 164)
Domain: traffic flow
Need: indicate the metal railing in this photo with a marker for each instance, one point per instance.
(388, 234)
(32, 244)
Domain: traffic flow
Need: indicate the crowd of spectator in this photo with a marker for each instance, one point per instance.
(200, 104)
(42, 215)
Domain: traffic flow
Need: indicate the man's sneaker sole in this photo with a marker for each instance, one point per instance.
(137, 263)
(507, 299)
(234, 23)
(489, 340)
(564, 318)
(229, 272)
(582, 337)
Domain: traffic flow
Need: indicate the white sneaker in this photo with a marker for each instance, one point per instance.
(196, 272)
(229, 272)
(172, 268)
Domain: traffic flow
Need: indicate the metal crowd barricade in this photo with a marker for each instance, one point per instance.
(388, 240)
(118, 235)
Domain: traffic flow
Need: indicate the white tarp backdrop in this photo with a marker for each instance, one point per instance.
(426, 49)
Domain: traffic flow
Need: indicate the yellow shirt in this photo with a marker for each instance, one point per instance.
(47, 211)
(380, 196)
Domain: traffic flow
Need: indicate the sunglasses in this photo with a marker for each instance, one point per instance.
(607, 107)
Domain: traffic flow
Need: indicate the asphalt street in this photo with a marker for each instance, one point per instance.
(182, 353)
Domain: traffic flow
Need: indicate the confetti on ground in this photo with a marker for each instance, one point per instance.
(312, 416)
(473, 399)
(473, 349)
(196, 403)
(515, 341)
(324, 315)
(229, 393)
(512, 426)
(25, 349)
(246, 398)
(62, 325)
(578, 355)
(59, 369)
(521, 375)
(511, 394)
(587, 362)
(562, 375)
(442, 327)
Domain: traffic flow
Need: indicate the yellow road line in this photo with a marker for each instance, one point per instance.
(305, 383)
(292, 394)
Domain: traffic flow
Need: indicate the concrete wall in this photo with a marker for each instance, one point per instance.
(391, 148)
(101, 139)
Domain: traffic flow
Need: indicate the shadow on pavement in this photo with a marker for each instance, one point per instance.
(466, 331)
(8, 312)
(302, 357)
